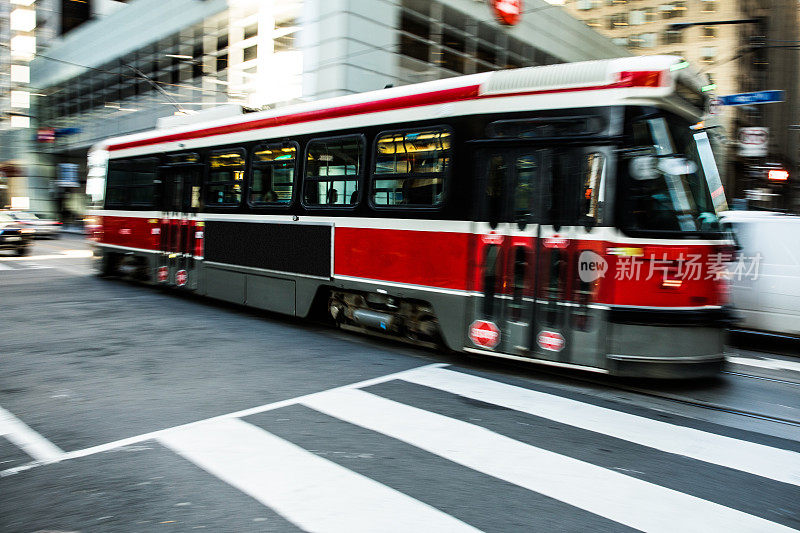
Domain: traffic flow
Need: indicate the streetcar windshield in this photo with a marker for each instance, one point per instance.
(670, 181)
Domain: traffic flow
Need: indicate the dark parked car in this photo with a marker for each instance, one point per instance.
(14, 236)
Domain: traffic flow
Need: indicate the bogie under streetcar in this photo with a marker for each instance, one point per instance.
(562, 214)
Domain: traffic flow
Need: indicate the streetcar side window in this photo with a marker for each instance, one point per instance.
(411, 167)
(132, 183)
(272, 180)
(225, 178)
(333, 171)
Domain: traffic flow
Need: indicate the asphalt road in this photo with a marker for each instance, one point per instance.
(126, 408)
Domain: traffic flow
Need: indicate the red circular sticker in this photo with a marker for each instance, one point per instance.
(181, 277)
(508, 12)
(484, 334)
(550, 340)
(162, 274)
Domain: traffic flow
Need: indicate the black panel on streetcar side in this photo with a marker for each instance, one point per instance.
(294, 248)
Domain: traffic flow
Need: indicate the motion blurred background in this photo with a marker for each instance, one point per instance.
(73, 72)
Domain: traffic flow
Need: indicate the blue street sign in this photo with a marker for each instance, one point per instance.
(760, 97)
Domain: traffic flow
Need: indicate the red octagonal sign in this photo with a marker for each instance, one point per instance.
(551, 341)
(484, 333)
(508, 12)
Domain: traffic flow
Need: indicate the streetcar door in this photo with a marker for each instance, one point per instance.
(179, 228)
(505, 249)
(532, 232)
(550, 337)
(566, 327)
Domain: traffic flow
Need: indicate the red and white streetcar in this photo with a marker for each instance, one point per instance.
(563, 214)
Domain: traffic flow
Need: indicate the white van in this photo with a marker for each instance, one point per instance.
(765, 280)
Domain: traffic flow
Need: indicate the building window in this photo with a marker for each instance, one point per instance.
(709, 32)
(273, 174)
(594, 23)
(486, 53)
(222, 42)
(410, 168)
(673, 37)
(251, 31)
(620, 41)
(584, 5)
(222, 62)
(451, 60)
(650, 15)
(649, 40)
(414, 37)
(250, 53)
(636, 17)
(333, 171)
(617, 20)
(286, 32)
(673, 10)
(708, 54)
(225, 178)
(709, 6)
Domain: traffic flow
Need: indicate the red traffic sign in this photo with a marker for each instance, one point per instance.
(484, 334)
(162, 274)
(181, 277)
(508, 12)
(550, 340)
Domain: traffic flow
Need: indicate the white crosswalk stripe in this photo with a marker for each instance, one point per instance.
(16, 431)
(314, 493)
(772, 463)
(621, 498)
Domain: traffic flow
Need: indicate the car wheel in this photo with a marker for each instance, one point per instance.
(23, 250)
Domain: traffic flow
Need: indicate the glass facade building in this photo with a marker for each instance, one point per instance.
(151, 59)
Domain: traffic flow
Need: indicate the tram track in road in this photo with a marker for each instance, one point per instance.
(713, 405)
(610, 383)
(764, 378)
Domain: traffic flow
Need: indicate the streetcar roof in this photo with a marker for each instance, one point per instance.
(628, 72)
